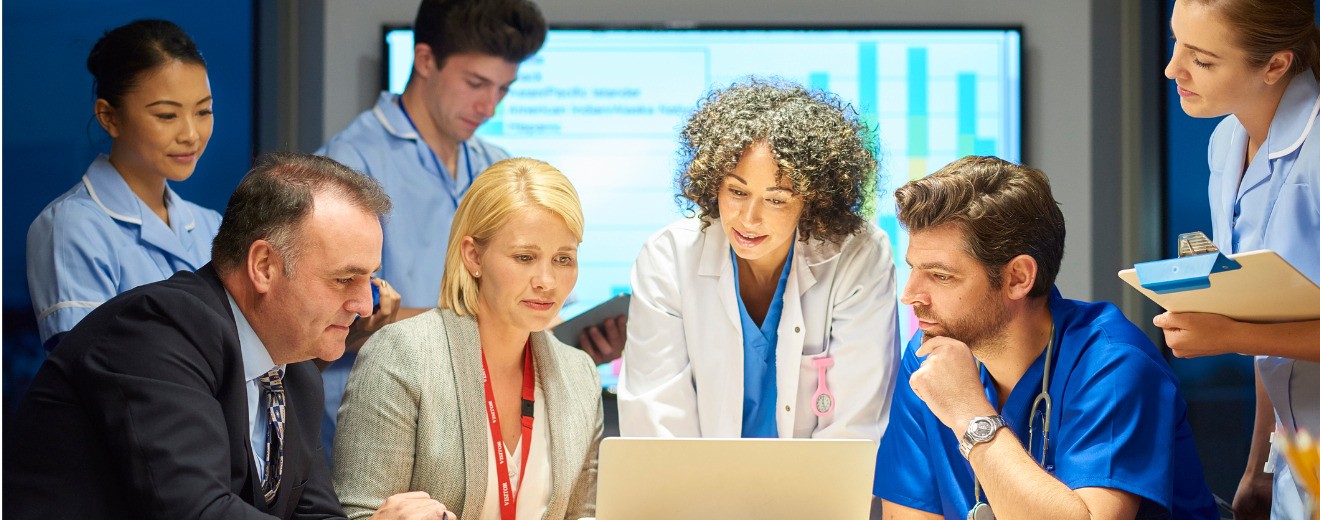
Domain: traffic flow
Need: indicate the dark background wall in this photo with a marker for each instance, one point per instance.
(50, 136)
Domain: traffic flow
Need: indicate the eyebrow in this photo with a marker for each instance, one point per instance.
(176, 103)
(356, 270)
(772, 188)
(485, 79)
(1200, 50)
(940, 266)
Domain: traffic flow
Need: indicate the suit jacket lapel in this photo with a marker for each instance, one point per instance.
(556, 395)
(464, 344)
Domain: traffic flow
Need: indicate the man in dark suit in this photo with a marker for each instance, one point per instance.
(194, 397)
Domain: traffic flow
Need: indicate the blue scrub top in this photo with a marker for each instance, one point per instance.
(384, 144)
(99, 239)
(1118, 422)
(759, 391)
(1275, 204)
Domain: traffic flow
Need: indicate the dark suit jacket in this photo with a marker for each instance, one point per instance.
(141, 412)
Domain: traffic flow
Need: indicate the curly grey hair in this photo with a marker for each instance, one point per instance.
(821, 145)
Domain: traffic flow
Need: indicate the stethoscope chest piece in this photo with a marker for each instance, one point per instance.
(981, 511)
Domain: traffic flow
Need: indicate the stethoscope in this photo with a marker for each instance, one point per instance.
(467, 161)
(981, 510)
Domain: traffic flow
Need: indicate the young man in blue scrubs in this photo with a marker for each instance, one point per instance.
(1003, 361)
(421, 145)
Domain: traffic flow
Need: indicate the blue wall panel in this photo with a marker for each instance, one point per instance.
(50, 137)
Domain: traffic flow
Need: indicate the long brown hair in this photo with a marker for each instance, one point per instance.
(1264, 27)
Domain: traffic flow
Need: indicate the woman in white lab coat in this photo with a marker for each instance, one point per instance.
(772, 313)
(1258, 63)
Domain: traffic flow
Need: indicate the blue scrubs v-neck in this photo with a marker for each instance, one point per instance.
(759, 391)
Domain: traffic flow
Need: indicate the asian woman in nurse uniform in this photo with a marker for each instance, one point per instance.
(772, 313)
(122, 226)
(1258, 62)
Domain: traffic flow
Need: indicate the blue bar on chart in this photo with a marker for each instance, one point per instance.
(918, 112)
(968, 142)
(867, 78)
(819, 81)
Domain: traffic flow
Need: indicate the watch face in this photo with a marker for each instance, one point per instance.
(981, 429)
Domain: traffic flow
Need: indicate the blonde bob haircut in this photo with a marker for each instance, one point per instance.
(507, 187)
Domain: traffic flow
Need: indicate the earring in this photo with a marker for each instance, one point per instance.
(476, 274)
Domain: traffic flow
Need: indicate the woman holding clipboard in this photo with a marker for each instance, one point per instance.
(1264, 194)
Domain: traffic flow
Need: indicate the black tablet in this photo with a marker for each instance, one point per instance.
(570, 330)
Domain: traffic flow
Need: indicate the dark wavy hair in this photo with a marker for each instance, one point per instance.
(1004, 209)
(819, 142)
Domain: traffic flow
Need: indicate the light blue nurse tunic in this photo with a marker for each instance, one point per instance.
(1275, 204)
(99, 239)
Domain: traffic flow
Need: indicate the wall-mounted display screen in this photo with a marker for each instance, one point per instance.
(605, 107)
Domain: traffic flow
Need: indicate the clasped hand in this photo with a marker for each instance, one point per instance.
(949, 383)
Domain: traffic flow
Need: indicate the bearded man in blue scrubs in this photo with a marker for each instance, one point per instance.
(1011, 398)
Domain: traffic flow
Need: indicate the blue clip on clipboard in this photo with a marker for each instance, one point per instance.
(1256, 286)
(1183, 274)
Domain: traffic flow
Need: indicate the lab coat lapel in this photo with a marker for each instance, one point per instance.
(792, 331)
(788, 351)
(716, 262)
(723, 351)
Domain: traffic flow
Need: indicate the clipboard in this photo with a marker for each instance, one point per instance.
(1256, 286)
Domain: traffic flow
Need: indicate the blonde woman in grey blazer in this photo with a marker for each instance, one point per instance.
(414, 413)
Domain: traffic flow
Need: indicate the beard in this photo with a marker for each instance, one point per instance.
(980, 326)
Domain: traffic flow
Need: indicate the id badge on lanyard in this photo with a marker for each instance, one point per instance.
(508, 495)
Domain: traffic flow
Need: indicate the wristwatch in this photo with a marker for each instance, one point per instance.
(979, 430)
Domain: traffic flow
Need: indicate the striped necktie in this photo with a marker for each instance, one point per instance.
(273, 383)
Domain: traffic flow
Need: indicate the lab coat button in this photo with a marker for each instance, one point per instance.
(788, 408)
(797, 329)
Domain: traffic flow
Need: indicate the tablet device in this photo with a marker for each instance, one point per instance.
(569, 331)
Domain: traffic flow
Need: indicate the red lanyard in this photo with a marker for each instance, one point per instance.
(509, 496)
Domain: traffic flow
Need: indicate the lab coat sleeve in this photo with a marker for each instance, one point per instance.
(863, 340)
(657, 395)
(72, 266)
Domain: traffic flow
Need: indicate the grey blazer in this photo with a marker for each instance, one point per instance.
(413, 419)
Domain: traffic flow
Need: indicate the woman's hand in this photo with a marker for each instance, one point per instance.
(1196, 334)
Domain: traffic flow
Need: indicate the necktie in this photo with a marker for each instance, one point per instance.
(273, 383)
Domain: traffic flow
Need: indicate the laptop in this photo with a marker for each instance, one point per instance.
(642, 479)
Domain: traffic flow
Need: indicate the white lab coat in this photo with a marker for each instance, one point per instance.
(682, 365)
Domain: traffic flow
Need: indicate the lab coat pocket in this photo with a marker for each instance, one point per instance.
(805, 422)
